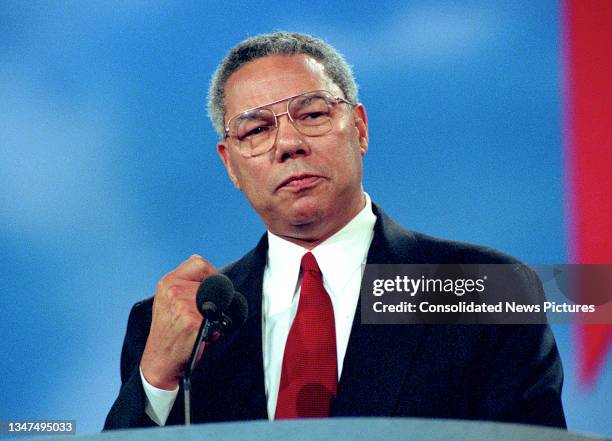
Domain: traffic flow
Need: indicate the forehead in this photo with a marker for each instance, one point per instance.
(274, 78)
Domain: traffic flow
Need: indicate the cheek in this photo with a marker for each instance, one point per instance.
(353, 156)
(252, 183)
(245, 173)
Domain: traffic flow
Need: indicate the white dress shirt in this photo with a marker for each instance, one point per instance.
(340, 259)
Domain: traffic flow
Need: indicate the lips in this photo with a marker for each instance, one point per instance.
(299, 182)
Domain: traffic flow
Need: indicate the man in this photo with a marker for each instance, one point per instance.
(292, 140)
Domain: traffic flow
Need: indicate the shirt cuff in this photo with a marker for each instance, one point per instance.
(159, 401)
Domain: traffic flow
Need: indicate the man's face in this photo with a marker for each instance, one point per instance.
(305, 188)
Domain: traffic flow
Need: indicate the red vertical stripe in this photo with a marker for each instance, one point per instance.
(588, 60)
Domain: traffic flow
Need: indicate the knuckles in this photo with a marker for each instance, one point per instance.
(175, 304)
(173, 292)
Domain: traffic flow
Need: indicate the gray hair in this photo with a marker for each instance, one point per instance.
(277, 43)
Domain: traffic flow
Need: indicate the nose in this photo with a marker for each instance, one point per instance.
(289, 143)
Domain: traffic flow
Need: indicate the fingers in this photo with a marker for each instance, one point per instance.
(195, 269)
(175, 323)
(175, 282)
(170, 290)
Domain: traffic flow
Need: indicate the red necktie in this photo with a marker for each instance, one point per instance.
(309, 378)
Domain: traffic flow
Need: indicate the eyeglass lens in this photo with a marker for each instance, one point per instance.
(255, 130)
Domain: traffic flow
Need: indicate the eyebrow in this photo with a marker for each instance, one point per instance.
(249, 115)
(275, 102)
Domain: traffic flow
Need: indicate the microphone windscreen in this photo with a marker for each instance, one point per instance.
(216, 289)
(238, 310)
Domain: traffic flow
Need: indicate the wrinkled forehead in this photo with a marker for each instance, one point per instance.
(274, 78)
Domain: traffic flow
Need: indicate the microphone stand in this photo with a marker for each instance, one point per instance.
(205, 328)
(215, 294)
(210, 330)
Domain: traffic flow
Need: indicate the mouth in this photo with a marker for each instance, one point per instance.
(299, 182)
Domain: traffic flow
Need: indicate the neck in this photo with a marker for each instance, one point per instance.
(309, 236)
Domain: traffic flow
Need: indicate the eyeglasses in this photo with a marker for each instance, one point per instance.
(311, 113)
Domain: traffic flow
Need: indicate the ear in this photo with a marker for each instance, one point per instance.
(361, 124)
(224, 154)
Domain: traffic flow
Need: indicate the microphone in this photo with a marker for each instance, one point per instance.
(224, 311)
(214, 296)
(237, 314)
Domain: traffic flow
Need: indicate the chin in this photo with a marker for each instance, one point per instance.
(305, 210)
(304, 219)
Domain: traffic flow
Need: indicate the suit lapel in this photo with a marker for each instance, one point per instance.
(248, 383)
(378, 357)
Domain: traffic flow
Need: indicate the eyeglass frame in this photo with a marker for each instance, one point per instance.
(335, 98)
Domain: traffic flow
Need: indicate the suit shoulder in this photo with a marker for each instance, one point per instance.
(524, 280)
(413, 247)
(438, 250)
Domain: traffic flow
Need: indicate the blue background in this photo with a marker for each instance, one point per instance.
(109, 176)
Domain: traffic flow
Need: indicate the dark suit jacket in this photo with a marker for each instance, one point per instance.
(508, 373)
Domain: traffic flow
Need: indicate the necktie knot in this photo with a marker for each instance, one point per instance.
(309, 263)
